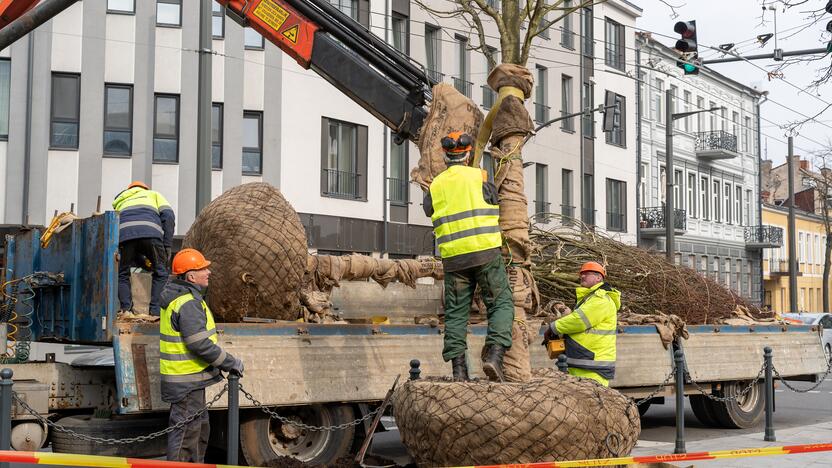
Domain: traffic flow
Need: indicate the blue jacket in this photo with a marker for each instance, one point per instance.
(144, 214)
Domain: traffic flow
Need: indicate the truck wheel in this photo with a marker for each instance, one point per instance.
(746, 411)
(264, 439)
(703, 410)
(111, 429)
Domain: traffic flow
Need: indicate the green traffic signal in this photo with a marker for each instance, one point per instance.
(689, 68)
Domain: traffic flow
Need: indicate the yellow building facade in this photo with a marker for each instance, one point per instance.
(811, 239)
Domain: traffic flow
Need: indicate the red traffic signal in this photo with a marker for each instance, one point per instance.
(687, 29)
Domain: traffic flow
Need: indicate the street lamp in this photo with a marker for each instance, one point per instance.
(669, 222)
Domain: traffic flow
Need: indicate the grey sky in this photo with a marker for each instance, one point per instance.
(724, 21)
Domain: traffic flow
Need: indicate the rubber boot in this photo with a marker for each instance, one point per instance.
(460, 368)
(492, 362)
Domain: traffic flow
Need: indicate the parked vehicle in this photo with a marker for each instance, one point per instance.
(822, 320)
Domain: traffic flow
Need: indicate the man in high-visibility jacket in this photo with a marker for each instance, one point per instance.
(189, 358)
(145, 237)
(590, 329)
(463, 207)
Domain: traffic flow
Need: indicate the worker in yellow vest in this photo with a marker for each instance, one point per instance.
(589, 331)
(189, 358)
(463, 206)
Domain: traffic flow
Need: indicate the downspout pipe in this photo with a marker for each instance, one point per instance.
(759, 193)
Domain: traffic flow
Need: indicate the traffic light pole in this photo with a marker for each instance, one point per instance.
(793, 262)
(739, 58)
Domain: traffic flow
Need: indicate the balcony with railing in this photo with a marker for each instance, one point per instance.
(435, 75)
(568, 214)
(716, 144)
(463, 86)
(651, 221)
(340, 184)
(541, 112)
(541, 210)
(588, 216)
(397, 191)
(778, 267)
(763, 237)
(489, 97)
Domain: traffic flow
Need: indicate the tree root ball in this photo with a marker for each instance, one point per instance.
(257, 248)
(553, 417)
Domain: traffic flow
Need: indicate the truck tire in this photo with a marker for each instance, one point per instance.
(746, 411)
(263, 439)
(111, 429)
(704, 411)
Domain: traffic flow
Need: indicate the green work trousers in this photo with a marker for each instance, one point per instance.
(496, 293)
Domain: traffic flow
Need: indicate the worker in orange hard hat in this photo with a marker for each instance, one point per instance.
(590, 329)
(145, 238)
(189, 357)
(463, 206)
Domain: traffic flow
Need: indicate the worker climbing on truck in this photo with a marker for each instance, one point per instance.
(145, 238)
(189, 358)
(462, 204)
(589, 331)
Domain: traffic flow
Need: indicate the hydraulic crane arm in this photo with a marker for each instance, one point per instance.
(317, 35)
(10, 10)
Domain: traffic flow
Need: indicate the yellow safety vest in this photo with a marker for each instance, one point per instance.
(463, 221)
(174, 356)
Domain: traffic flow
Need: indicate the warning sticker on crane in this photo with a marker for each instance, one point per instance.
(291, 34)
(272, 14)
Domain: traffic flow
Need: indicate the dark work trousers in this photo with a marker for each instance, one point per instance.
(134, 253)
(189, 443)
(496, 293)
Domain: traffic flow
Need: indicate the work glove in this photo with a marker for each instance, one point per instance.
(550, 334)
(237, 368)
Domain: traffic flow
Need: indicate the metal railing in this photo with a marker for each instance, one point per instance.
(616, 221)
(567, 39)
(489, 97)
(463, 86)
(764, 235)
(397, 190)
(588, 216)
(567, 124)
(340, 184)
(778, 266)
(541, 209)
(541, 112)
(435, 75)
(653, 218)
(715, 140)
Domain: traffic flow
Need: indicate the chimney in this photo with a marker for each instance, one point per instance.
(804, 164)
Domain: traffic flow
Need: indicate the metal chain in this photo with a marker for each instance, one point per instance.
(301, 425)
(129, 440)
(740, 394)
(806, 390)
(657, 390)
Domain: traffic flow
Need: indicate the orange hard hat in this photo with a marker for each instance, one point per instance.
(457, 142)
(138, 183)
(594, 266)
(187, 260)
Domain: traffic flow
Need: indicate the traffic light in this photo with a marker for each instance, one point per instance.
(829, 26)
(612, 112)
(687, 45)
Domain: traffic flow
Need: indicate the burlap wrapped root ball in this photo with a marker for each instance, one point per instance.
(553, 417)
(257, 247)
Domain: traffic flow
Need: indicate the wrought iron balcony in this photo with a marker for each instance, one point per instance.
(541, 112)
(763, 237)
(435, 75)
(716, 144)
(651, 221)
(340, 184)
(463, 86)
(397, 191)
(489, 97)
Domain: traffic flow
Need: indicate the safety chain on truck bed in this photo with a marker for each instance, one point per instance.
(301, 425)
(657, 390)
(130, 440)
(805, 390)
(738, 395)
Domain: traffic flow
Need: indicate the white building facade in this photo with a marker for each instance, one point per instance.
(106, 93)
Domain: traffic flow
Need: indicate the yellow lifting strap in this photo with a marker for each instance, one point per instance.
(485, 129)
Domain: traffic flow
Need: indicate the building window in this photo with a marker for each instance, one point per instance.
(713, 117)
(642, 77)
(588, 200)
(567, 36)
(567, 208)
(401, 26)
(616, 205)
(643, 173)
(677, 188)
(252, 143)
(589, 102)
(717, 205)
(121, 6)
(674, 104)
(344, 160)
(618, 135)
(5, 88)
(614, 51)
(66, 104)
(727, 199)
(433, 51)
(662, 181)
(216, 135)
(118, 120)
(169, 13)
(587, 31)
(543, 27)
(700, 118)
(746, 134)
(691, 205)
(166, 129)
(748, 216)
(348, 7)
(735, 124)
(541, 108)
(398, 173)
(686, 106)
(541, 191)
(724, 119)
(566, 103)
(217, 20)
(738, 205)
(253, 40)
(658, 101)
(461, 81)
(703, 198)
